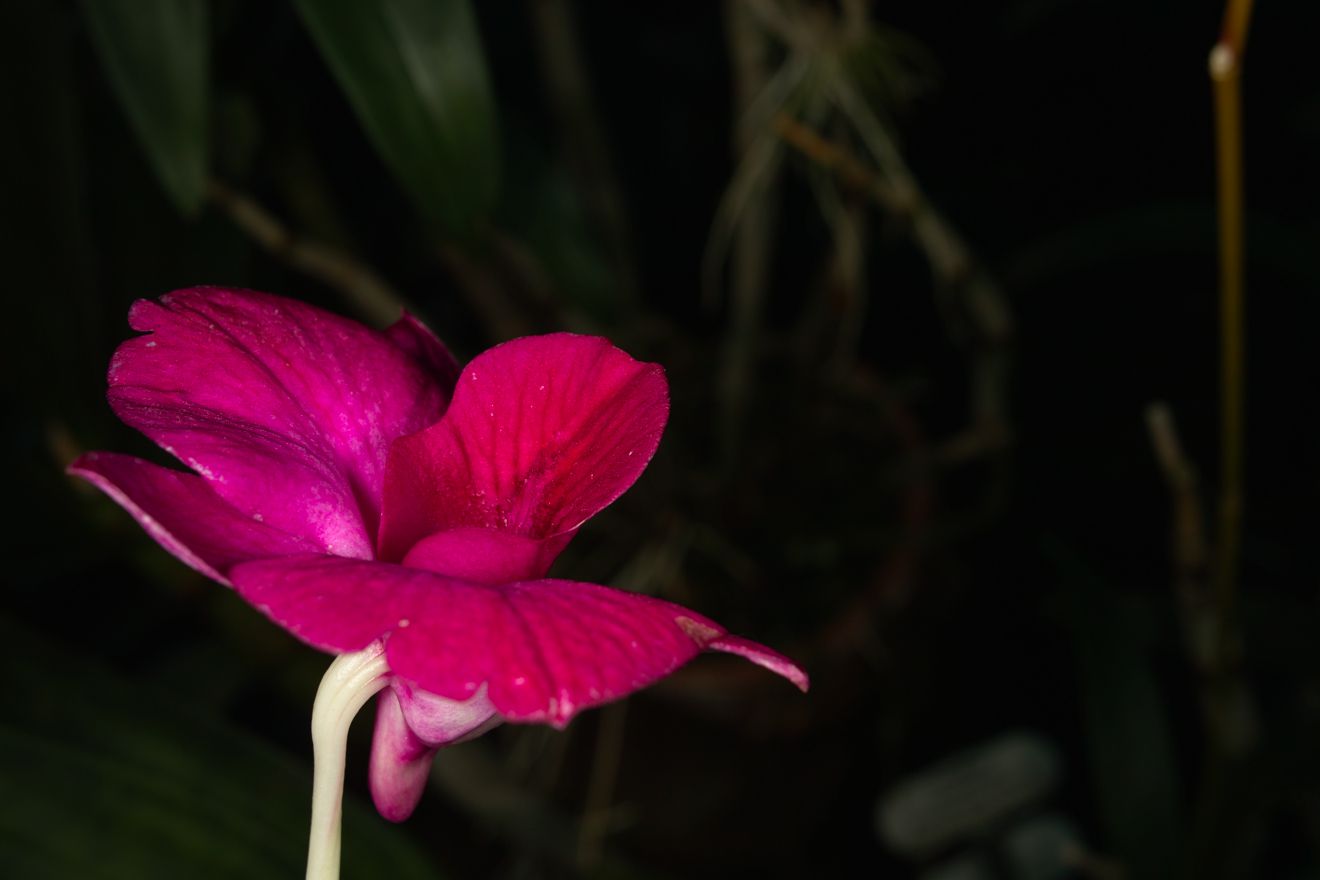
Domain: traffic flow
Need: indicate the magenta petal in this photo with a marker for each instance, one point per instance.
(286, 410)
(485, 556)
(542, 433)
(400, 761)
(761, 656)
(326, 603)
(184, 515)
(542, 649)
(425, 347)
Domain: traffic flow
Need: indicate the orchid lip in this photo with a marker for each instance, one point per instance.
(410, 726)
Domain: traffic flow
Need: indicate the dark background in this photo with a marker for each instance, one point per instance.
(958, 526)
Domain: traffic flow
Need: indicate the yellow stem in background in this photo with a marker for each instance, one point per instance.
(351, 680)
(1226, 73)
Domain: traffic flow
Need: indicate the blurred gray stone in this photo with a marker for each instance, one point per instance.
(960, 868)
(1038, 848)
(966, 793)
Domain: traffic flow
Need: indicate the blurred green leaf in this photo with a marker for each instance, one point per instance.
(550, 219)
(156, 54)
(1131, 747)
(415, 74)
(105, 779)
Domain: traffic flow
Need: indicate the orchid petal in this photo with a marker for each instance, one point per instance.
(286, 410)
(335, 609)
(420, 342)
(184, 514)
(486, 556)
(759, 654)
(542, 433)
(543, 650)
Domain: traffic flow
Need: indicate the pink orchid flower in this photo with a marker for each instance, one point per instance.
(361, 491)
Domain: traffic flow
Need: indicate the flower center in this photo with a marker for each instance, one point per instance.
(485, 556)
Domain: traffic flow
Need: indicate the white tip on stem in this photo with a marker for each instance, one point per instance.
(351, 680)
(1222, 61)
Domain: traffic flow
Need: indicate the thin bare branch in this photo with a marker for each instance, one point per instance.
(1229, 711)
(975, 295)
(756, 183)
(365, 290)
(1225, 73)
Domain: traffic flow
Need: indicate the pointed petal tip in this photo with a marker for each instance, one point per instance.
(182, 513)
(78, 467)
(762, 656)
(110, 475)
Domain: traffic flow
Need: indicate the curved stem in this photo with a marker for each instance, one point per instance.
(351, 680)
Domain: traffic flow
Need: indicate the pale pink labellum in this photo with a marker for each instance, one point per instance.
(400, 761)
(410, 726)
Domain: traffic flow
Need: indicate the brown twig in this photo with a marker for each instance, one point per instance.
(354, 280)
(849, 225)
(1189, 544)
(1225, 700)
(980, 300)
(1225, 73)
(841, 162)
(749, 269)
(486, 293)
(1227, 707)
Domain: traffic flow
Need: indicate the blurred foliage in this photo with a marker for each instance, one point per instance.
(914, 272)
(414, 72)
(105, 779)
(157, 56)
